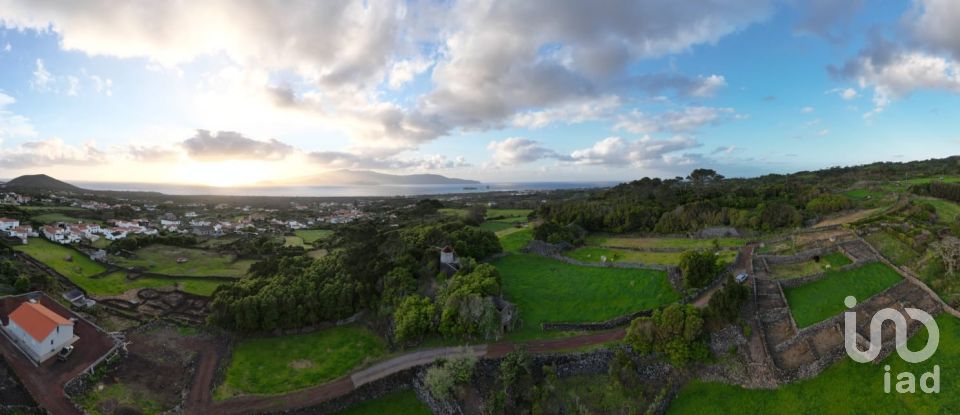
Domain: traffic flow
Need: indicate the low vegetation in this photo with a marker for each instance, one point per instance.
(181, 261)
(514, 241)
(819, 300)
(400, 403)
(675, 331)
(68, 262)
(281, 364)
(310, 236)
(892, 248)
(595, 254)
(547, 290)
(830, 261)
(846, 387)
(615, 241)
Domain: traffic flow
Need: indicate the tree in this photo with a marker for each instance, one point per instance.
(516, 375)
(699, 268)
(22, 284)
(442, 378)
(703, 176)
(413, 318)
(676, 331)
(725, 304)
(476, 214)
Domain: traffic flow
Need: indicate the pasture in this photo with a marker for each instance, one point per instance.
(612, 241)
(514, 239)
(162, 259)
(844, 388)
(814, 302)
(273, 365)
(55, 256)
(594, 254)
(309, 236)
(830, 261)
(547, 290)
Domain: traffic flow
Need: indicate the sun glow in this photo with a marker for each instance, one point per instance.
(231, 173)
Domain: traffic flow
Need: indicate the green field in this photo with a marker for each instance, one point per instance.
(310, 236)
(162, 259)
(814, 302)
(286, 363)
(844, 388)
(116, 283)
(864, 194)
(400, 403)
(547, 290)
(830, 261)
(54, 217)
(54, 255)
(593, 254)
(947, 211)
(892, 248)
(292, 241)
(49, 208)
(514, 240)
(679, 243)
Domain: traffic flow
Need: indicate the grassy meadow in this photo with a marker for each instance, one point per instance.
(814, 302)
(404, 402)
(281, 364)
(55, 256)
(309, 236)
(593, 254)
(801, 269)
(514, 239)
(547, 290)
(162, 259)
(892, 248)
(612, 241)
(844, 388)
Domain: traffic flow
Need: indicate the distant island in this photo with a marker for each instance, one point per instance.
(371, 178)
(38, 182)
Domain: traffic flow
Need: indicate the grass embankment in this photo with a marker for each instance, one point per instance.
(892, 248)
(162, 259)
(845, 388)
(514, 240)
(679, 243)
(546, 290)
(400, 403)
(830, 261)
(594, 254)
(281, 364)
(814, 302)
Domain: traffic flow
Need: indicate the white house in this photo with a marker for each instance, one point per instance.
(6, 224)
(39, 331)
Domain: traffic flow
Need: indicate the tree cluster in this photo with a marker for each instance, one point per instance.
(699, 268)
(675, 331)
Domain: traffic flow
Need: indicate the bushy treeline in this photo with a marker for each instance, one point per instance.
(136, 242)
(948, 191)
(706, 199)
(369, 267)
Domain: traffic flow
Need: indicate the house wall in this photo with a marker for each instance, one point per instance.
(41, 351)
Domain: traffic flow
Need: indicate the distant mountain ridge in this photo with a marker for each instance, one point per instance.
(38, 182)
(347, 177)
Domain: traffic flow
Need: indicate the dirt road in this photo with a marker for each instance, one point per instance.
(743, 265)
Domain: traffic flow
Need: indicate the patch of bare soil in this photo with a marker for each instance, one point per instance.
(301, 364)
(847, 218)
(157, 368)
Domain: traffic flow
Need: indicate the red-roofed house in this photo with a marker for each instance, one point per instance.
(39, 331)
(7, 224)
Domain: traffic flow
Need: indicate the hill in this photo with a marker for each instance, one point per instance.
(38, 182)
(371, 178)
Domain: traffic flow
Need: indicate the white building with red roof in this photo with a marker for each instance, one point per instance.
(39, 331)
(6, 224)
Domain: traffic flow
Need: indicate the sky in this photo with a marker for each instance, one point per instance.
(229, 93)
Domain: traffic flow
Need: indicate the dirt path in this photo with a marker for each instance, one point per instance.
(49, 397)
(742, 265)
(200, 399)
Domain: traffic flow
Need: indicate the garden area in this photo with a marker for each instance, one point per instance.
(845, 388)
(180, 261)
(547, 290)
(814, 302)
(832, 260)
(273, 365)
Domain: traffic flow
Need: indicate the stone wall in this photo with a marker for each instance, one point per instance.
(594, 326)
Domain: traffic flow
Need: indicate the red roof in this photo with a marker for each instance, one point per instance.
(37, 320)
(8, 220)
(447, 249)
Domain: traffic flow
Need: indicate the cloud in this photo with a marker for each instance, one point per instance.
(727, 150)
(73, 83)
(644, 152)
(42, 78)
(573, 113)
(823, 132)
(154, 153)
(344, 160)
(686, 120)
(50, 153)
(846, 93)
(11, 124)
(405, 70)
(229, 145)
(7, 47)
(684, 86)
(828, 19)
(806, 110)
(518, 150)
(937, 24)
(894, 72)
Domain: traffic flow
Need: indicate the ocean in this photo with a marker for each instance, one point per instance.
(340, 191)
